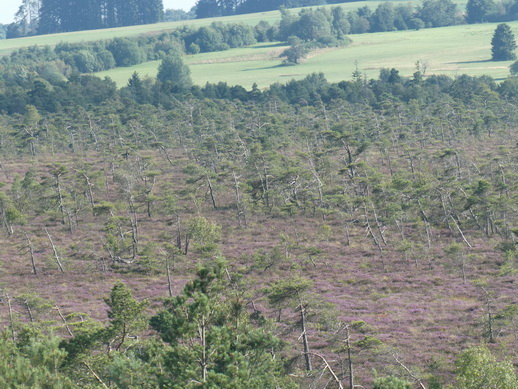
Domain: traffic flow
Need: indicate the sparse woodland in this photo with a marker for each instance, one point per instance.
(313, 235)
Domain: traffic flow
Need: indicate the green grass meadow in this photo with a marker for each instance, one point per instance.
(450, 50)
(7, 45)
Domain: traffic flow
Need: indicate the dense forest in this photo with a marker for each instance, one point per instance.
(52, 16)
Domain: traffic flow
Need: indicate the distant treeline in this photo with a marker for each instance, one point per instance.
(389, 17)
(386, 17)
(86, 57)
(49, 93)
(52, 16)
(214, 8)
(320, 27)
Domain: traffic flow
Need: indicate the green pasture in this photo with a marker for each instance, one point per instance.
(449, 50)
(8, 45)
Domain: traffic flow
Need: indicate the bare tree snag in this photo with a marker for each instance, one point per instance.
(57, 172)
(64, 321)
(490, 315)
(204, 359)
(305, 336)
(241, 208)
(460, 231)
(11, 317)
(169, 283)
(211, 192)
(95, 375)
(349, 356)
(29, 311)
(414, 377)
(369, 230)
(56, 255)
(328, 367)
(428, 228)
(89, 191)
(31, 252)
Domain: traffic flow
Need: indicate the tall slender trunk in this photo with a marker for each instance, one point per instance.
(211, 192)
(11, 317)
(169, 283)
(61, 205)
(55, 250)
(349, 357)
(305, 337)
(31, 252)
(203, 361)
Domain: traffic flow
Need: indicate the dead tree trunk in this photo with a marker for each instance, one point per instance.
(61, 204)
(134, 226)
(64, 321)
(169, 283)
(349, 357)
(211, 192)
(11, 317)
(304, 336)
(89, 191)
(29, 311)
(204, 358)
(56, 255)
(241, 209)
(31, 252)
(328, 367)
(414, 377)
(490, 318)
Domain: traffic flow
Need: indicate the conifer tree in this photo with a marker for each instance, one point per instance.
(213, 342)
(503, 43)
(76, 15)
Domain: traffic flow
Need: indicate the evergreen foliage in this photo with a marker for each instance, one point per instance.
(36, 363)
(213, 341)
(76, 15)
(391, 382)
(503, 44)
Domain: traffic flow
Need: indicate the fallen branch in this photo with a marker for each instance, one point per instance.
(415, 378)
(335, 377)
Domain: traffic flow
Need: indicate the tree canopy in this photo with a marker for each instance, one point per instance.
(503, 44)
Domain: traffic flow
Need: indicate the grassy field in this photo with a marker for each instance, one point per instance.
(7, 46)
(450, 50)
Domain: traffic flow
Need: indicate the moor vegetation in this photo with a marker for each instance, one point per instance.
(309, 235)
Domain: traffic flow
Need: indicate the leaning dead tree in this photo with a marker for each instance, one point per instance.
(55, 250)
(11, 316)
(409, 372)
(329, 368)
(31, 252)
(304, 336)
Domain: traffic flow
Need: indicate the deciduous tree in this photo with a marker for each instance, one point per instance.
(478, 11)
(478, 368)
